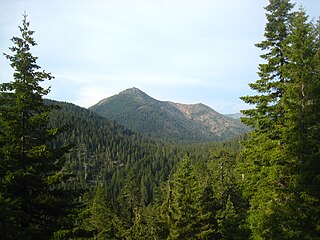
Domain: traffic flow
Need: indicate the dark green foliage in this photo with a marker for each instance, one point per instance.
(181, 198)
(302, 119)
(186, 197)
(174, 122)
(195, 207)
(132, 165)
(106, 152)
(138, 187)
(34, 205)
(277, 157)
(209, 206)
(102, 220)
(227, 221)
(130, 199)
(224, 178)
(265, 170)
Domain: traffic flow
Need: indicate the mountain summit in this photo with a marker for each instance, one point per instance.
(178, 122)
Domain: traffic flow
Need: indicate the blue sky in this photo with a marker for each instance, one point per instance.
(187, 51)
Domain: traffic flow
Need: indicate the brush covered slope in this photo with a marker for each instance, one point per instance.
(177, 122)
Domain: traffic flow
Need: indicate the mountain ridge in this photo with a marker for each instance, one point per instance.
(180, 122)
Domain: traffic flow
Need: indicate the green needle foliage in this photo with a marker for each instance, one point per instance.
(33, 204)
(138, 188)
(280, 170)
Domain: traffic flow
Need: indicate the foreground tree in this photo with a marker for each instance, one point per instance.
(32, 201)
(301, 134)
(264, 170)
(280, 158)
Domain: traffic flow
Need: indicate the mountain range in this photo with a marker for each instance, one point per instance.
(184, 123)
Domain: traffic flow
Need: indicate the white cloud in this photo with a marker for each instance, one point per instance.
(106, 86)
(88, 96)
(193, 50)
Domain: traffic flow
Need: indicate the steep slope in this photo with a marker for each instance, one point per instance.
(105, 151)
(214, 122)
(141, 113)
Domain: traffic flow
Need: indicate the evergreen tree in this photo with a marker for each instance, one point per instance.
(169, 211)
(227, 221)
(208, 208)
(103, 221)
(186, 194)
(138, 230)
(231, 205)
(129, 199)
(265, 171)
(274, 158)
(268, 112)
(302, 102)
(221, 168)
(33, 203)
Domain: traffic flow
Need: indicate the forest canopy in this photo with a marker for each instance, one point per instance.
(69, 173)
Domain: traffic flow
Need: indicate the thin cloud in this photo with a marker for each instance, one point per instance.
(199, 48)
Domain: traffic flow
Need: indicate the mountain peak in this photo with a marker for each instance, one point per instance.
(136, 94)
(134, 91)
(141, 113)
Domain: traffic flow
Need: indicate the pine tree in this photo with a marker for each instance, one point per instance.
(229, 213)
(302, 120)
(103, 220)
(265, 170)
(33, 203)
(186, 204)
(227, 221)
(169, 211)
(186, 194)
(274, 158)
(129, 199)
(221, 168)
(268, 112)
(208, 208)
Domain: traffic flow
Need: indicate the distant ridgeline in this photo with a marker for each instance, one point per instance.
(175, 122)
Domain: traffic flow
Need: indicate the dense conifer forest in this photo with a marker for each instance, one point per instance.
(69, 173)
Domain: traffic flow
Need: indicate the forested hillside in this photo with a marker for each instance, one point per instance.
(106, 151)
(69, 173)
(125, 164)
(174, 122)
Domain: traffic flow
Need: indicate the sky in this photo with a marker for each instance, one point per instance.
(186, 51)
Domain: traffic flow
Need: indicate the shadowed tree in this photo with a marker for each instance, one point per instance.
(33, 203)
(277, 157)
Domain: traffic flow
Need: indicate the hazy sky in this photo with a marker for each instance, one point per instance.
(187, 51)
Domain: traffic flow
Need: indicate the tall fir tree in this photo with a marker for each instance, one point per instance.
(186, 194)
(231, 205)
(129, 202)
(268, 112)
(189, 205)
(264, 167)
(33, 203)
(102, 221)
(169, 211)
(301, 135)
